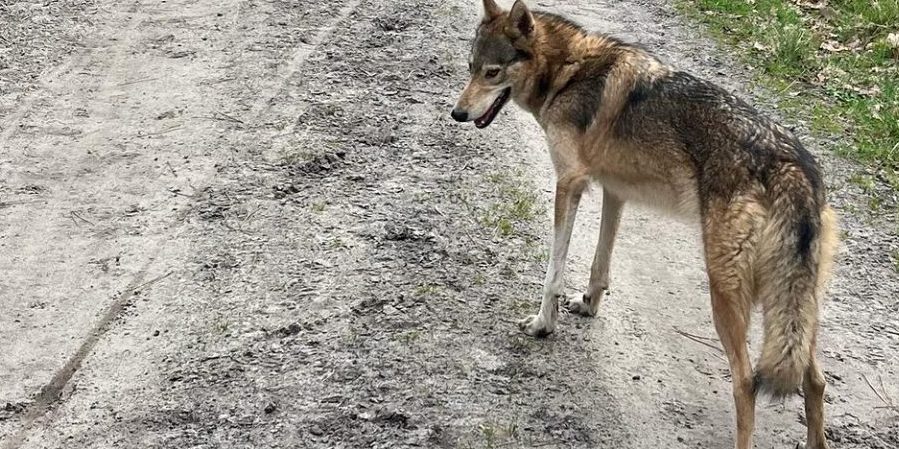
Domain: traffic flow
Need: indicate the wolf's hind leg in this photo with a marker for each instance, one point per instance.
(814, 383)
(813, 390)
(732, 322)
(731, 234)
(588, 305)
(568, 196)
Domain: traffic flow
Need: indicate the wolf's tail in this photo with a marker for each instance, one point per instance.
(795, 261)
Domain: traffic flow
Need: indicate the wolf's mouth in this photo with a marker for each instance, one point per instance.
(487, 118)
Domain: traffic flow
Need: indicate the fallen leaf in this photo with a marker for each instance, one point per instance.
(872, 91)
(833, 46)
(812, 5)
(893, 40)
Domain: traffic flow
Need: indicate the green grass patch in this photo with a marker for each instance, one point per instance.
(409, 337)
(497, 435)
(516, 207)
(835, 62)
(426, 290)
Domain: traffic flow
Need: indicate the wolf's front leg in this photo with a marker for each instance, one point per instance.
(568, 196)
(588, 305)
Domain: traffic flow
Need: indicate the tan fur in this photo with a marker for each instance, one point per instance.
(652, 135)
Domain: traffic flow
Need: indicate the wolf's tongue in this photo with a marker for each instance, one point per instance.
(487, 118)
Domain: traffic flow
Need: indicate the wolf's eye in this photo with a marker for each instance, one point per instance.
(491, 73)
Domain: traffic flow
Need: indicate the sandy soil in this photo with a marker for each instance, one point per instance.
(251, 223)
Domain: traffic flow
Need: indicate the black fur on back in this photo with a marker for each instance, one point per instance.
(733, 147)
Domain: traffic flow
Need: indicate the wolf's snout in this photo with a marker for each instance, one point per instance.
(459, 115)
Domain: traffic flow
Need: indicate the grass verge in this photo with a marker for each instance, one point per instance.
(835, 61)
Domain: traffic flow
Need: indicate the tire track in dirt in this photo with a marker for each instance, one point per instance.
(299, 56)
(115, 77)
(24, 166)
(52, 391)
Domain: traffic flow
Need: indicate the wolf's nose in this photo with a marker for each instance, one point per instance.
(459, 116)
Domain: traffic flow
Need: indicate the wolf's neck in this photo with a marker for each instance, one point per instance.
(561, 49)
(555, 69)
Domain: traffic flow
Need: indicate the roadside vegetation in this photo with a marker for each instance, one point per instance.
(834, 61)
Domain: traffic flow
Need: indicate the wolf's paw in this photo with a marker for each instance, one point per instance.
(535, 326)
(584, 306)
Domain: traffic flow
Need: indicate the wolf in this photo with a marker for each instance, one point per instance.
(647, 133)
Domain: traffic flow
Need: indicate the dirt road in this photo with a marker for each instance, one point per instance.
(250, 223)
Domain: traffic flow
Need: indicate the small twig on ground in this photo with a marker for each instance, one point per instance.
(235, 229)
(78, 216)
(152, 281)
(786, 88)
(216, 357)
(882, 394)
(251, 214)
(177, 192)
(164, 131)
(700, 340)
(222, 117)
(543, 444)
(141, 80)
(227, 117)
(169, 165)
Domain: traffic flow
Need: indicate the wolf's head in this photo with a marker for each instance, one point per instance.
(499, 55)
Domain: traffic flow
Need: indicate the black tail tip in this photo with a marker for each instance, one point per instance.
(767, 386)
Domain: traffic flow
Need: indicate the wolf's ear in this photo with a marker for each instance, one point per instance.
(491, 10)
(521, 20)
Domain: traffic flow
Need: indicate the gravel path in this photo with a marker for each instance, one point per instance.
(251, 223)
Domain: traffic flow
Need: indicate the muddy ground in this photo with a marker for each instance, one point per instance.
(251, 223)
